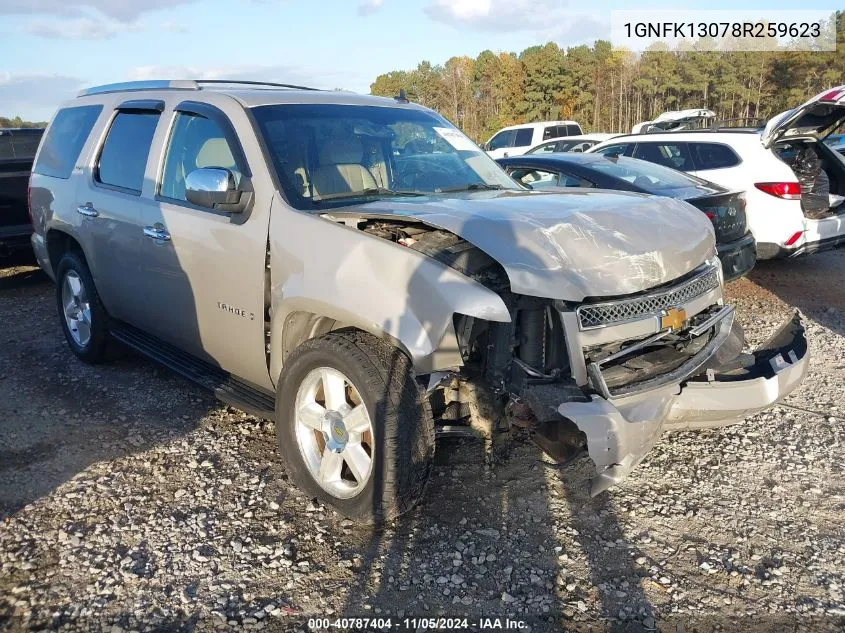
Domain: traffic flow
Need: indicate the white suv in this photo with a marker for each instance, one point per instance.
(515, 140)
(790, 210)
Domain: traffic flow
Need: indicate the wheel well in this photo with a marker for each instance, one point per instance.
(59, 243)
(301, 326)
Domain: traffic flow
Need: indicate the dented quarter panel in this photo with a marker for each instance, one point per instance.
(568, 245)
(362, 281)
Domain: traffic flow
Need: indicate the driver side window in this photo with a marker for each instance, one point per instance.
(503, 139)
(195, 142)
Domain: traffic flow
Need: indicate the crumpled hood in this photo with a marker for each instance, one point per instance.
(568, 245)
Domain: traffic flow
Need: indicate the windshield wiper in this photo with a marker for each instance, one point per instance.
(370, 191)
(476, 186)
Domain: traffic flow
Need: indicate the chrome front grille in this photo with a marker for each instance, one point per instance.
(614, 312)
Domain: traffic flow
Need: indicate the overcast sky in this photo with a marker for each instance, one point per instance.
(49, 49)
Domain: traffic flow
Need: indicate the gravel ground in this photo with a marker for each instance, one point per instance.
(131, 500)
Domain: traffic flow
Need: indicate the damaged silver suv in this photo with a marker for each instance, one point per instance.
(360, 271)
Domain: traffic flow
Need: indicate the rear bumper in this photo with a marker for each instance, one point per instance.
(737, 257)
(39, 247)
(621, 431)
(766, 250)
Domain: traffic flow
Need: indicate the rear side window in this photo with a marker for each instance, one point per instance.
(672, 155)
(550, 132)
(64, 140)
(123, 158)
(713, 155)
(573, 130)
(523, 136)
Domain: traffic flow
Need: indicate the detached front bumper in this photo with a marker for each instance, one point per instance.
(620, 431)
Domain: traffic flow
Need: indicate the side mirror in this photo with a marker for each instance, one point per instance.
(215, 188)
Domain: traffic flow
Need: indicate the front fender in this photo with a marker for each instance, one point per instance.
(330, 270)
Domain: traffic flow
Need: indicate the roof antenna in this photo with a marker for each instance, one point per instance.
(401, 98)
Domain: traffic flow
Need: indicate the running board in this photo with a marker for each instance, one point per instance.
(231, 390)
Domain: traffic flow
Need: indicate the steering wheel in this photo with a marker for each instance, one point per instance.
(426, 177)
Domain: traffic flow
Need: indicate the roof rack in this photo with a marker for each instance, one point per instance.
(180, 84)
(239, 82)
(718, 125)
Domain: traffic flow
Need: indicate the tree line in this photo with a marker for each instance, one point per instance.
(19, 122)
(609, 90)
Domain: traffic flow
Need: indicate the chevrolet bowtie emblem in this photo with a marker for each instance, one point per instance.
(673, 319)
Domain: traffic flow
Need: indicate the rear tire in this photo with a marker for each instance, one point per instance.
(82, 315)
(325, 435)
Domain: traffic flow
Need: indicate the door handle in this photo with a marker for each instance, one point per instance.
(157, 233)
(87, 210)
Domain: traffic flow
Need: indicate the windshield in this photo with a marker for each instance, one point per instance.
(653, 178)
(329, 155)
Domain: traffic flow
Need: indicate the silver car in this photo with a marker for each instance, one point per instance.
(360, 271)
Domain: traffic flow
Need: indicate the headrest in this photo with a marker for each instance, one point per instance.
(215, 153)
(345, 151)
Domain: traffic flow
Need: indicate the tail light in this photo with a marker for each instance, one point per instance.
(832, 96)
(784, 190)
(795, 237)
(29, 200)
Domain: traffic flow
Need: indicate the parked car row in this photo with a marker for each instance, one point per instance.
(790, 169)
(793, 181)
(518, 139)
(570, 144)
(357, 269)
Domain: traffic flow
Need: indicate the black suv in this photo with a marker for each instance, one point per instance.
(17, 149)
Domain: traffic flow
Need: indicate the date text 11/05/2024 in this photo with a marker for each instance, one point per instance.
(416, 624)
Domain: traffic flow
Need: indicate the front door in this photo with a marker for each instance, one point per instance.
(204, 270)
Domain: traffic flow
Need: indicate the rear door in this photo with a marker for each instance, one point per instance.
(719, 163)
(108, 206)
(203, 270)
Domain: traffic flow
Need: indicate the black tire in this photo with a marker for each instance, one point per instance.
(400, 415)
(97, 348)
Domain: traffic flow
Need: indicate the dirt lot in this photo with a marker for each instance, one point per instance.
(131, 500)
